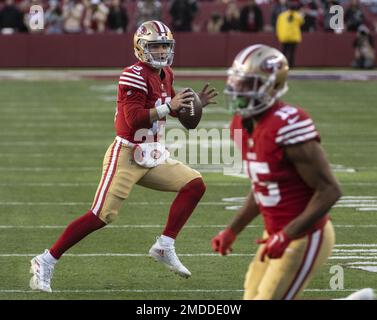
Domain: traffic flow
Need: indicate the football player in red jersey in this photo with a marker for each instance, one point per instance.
(145, 97)
(293, 187)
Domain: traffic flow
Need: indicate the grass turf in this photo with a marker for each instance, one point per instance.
(53, 135)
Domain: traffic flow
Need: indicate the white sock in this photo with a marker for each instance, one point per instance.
(167, 241)
(49, 258)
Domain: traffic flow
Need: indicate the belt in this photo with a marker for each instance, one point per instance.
(125, 142)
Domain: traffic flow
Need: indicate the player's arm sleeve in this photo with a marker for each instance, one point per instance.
(133, 106)
(298, 128)
(133, 90)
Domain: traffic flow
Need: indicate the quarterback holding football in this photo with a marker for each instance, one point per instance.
(293, 187)
(145, 97)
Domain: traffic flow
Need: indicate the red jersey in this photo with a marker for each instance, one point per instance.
(141, 88)
(279, 190)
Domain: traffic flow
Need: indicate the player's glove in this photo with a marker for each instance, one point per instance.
(275, 245)
(223, 241)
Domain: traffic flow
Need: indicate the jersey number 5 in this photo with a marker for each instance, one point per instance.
(271, 197)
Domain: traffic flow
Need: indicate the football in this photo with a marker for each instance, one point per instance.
(190, 118)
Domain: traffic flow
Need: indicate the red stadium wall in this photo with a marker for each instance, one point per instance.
(192, 49)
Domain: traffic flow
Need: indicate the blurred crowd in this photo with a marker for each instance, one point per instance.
(94, 16)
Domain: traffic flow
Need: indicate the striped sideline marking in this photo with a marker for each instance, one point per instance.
(158, 291)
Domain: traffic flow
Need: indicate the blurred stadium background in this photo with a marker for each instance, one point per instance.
(57, 103)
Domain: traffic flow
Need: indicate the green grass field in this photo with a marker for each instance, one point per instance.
(53, 135)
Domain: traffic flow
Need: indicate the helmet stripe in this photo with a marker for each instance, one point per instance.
(248, 51)
(166, 29)
(159, 27)
(162, 27)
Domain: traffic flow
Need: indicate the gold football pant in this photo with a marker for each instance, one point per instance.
(286, 278)
(121, 172)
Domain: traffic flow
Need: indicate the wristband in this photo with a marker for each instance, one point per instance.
(163, 110)
(168, 104)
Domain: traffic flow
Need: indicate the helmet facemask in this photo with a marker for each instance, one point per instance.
(158, 59)
(251, 95)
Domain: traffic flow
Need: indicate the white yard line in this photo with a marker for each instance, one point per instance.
(355, 250)
(359, 197)
(49, 184)
(359, 206)
(352, 257)
(362, 263)
(42, 155)
(356, 245)
(4, 203)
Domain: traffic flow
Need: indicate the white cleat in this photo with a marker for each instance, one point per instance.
(363, 294)
(42, 274)
(168, 257)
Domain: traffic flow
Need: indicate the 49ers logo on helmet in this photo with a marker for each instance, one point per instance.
(142, 30)
(271, 64)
